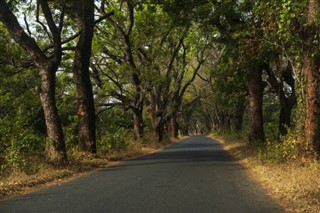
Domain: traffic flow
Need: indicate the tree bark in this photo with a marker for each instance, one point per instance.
(311, 67)
(255, 87)
(284, 118)
(239, 113)
(157, 120)
(287, 101)
(56, 148)
(86, 108)
(312, 124)
(138, 127)
(158, 131)
(173, 127)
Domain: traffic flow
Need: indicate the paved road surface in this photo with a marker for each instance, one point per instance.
(195, 175)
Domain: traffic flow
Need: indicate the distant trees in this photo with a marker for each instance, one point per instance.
(150, 66)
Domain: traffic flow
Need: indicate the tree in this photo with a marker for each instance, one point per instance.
(283, 83)
(311, 66)
(125, 60)
(252, 55)
(181, 58)
(47, 66)
(86, 110)
(255, 88)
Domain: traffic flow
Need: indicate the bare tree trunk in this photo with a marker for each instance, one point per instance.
(86, 109)
(138, 127)
(287, 101)
(284, 118)
(256, 134)
(158, 129)
(56, 149)
(156, 121)
(239, 113)
(312, 123)
(158, 133)
(311, 70)
(173, 127)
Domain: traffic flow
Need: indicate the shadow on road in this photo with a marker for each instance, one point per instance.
(201, 153)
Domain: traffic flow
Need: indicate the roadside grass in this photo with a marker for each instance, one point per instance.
(42, 174)
(294, 183)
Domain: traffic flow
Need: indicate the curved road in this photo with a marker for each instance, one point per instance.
(195, 175)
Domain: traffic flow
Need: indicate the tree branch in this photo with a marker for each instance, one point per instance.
(27, 24)
(18, 34)
(48, 16)
(41, 24)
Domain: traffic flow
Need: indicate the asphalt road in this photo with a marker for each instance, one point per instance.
(195, 175)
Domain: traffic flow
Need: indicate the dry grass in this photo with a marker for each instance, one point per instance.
(295, 185)
(79, 164)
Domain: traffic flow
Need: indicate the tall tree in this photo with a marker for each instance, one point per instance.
(255, 88)
(123, 23)
(282, 81)
(47, 66)
(311, 66)
(84, 10)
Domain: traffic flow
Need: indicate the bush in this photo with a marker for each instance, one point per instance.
(117, 141)
(20, 148)
(290, 147)
(18, 143)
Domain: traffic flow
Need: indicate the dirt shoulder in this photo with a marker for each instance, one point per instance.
(295, 185)
(80, 164)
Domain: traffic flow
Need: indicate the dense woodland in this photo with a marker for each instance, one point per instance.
(97, 75)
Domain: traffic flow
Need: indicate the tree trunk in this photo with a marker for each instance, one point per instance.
(173, 127)
(311, 70)
(239, 113)
(255, 87)
(158, 133)
(285, 118)
(312, 124)
(287, 101)
(86, 109)
(56, 148)
(226, 124)
(157, 126)
(138, 127)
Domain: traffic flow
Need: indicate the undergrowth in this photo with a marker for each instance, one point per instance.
(286, 168)
(36, 171)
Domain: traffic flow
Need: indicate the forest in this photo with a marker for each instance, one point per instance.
(98, 75)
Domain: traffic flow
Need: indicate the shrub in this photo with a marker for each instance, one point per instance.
(18, 143)
(292, 146)
(116, 141)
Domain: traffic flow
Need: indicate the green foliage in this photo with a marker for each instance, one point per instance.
(291, 147)
(115, 141)
(18, 143)
(22, 126)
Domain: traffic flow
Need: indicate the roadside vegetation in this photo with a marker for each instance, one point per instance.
(86, 79)
(38, 173)
(288, 179)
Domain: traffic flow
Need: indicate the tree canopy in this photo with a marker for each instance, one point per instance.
(97, 75)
